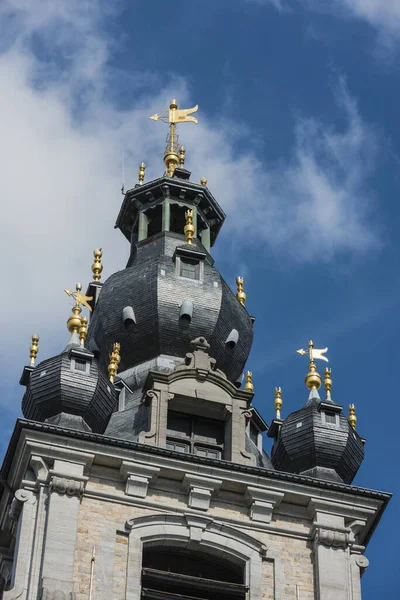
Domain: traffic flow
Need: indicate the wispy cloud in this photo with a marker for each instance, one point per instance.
(60, 152)
(382, 14)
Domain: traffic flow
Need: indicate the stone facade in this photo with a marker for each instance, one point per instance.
(87, 502)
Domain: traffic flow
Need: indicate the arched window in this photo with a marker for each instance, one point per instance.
(171, 573)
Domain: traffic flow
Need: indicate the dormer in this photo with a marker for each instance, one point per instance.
(194, 409)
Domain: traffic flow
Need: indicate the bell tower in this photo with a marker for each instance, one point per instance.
(138, 470)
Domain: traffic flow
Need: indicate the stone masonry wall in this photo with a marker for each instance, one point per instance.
(105, 509)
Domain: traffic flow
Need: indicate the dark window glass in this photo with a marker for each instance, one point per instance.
(253, 433)
(330, 417)
(189, 269)
(177, 446)
(171, 573)
(204, 437)
(80, 364)
(207, 452)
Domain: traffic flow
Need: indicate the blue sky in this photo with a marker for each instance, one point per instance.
(299, 139)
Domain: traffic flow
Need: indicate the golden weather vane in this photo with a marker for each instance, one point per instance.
(314, 353)
(174, 116)
(313, 379)
(80, 298)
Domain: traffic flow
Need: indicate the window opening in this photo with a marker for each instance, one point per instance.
(204, 437)
(330, 417)
(253, 433)
(154, 216)
(177, 218)
(189, 268)
(79, 364)
(172, 573)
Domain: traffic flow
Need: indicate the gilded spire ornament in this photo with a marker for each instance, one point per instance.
(189, 227)
(182, 153)
(278, 402)
(241, 296)
(328, 382)
(97, 267)
(248, 386)
(74, 322)
(83, 329)
(352, 416)
(34, 349)
(203, 181)
(115, 359)
(174, 116)
(313, 378)
(142, 169)
(80, 298)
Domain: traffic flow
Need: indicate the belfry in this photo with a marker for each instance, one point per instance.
(138, 470)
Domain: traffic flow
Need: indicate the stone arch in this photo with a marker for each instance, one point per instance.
(193, 532)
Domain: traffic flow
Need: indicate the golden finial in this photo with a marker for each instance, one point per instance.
(352, 416)
(83, 329)
(278, 402)
(34, 349)
(203, 181)
(189, 227)
(248, 386)
(174, 116)
(241, 296)
(142, 169)
(74, 321)
(313, 379)
(182, 153)
(328, 383)
(97, 267)
(115, 359)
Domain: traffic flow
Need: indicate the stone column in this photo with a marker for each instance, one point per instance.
(67, 484)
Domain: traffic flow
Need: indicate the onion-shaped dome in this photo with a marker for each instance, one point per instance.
(70, 390)
(318, 440)
(169, 296)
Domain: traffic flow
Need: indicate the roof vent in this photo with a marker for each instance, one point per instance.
(232, 339)
(128, 317)
(186, 311)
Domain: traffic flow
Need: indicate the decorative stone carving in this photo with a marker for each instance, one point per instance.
(153, 398)
(17, 503)
(137, 477)
(361, 561)
(331, 538)
(40, 468)
(200, 359)
(200, 490)
(70, 487)
(262, 503)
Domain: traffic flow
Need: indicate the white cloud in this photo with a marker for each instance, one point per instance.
(61, 175)
(381, 13)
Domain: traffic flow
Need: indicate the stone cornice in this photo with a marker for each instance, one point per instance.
(31, 438)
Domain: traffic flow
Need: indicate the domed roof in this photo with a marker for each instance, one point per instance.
(70, 390)
(168, 310)
(319, 441)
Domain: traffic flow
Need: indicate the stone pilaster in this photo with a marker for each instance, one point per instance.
(67, 484)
